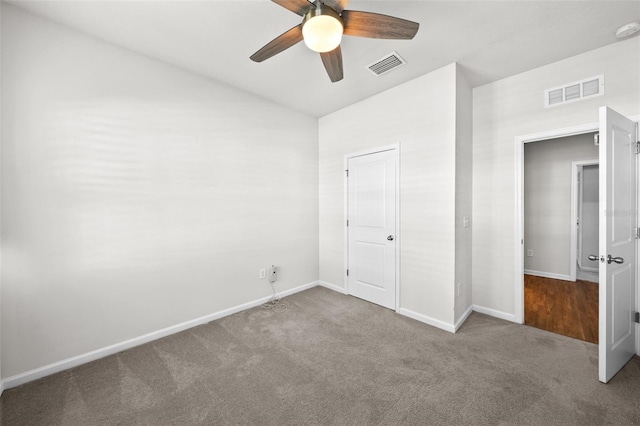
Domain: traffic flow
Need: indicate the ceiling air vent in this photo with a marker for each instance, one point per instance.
(386, 64)
(587, 88)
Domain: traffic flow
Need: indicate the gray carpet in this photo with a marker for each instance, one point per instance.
(337, 360)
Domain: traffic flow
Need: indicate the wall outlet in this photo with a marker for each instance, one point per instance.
(529, 253)
(263, 273)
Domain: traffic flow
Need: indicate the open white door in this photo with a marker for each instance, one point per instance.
(372, 227)
(617, 244)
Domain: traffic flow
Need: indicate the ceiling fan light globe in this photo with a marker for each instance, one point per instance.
(322, 33)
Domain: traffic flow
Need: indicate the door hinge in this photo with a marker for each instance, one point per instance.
(347, 171)
(347, 272)
(347, 222)
(637, 233)
(637, 317)
(638, 147)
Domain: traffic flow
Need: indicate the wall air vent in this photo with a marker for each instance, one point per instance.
(386, 64)
(578, 90)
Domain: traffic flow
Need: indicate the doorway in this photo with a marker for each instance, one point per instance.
(618, 334)
(372, 223)
(554, 300)
(585, 204)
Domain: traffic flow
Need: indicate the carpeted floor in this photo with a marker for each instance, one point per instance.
(337, 360)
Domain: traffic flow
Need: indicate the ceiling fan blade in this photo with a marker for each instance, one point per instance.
(375, 25)
(296, 6)
(333, 64)
(337, 5)
(279, 44)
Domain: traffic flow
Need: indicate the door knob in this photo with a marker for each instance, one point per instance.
(390, 238)
(593, 257)
(618, 260)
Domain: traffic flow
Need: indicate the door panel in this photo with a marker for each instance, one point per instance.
(370, 189)
(371, 231)
(369, 265)
(617, 224)
(621, 293)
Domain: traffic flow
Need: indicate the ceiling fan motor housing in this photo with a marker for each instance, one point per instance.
(322, 28)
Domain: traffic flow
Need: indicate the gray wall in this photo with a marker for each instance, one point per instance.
(547, 202)
(590, 216)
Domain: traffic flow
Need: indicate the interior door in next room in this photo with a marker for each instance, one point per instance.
(371, 228)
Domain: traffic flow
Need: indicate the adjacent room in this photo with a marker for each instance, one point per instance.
(228, 212)
(561, 232)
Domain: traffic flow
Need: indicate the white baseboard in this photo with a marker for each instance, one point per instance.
(462, 319)
(494, 313)
(548, 275)
(332, 287)
(427, 320)
(585, 275)
(56, 367)
(1, 388)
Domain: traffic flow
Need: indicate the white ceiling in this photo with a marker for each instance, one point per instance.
(490, 39)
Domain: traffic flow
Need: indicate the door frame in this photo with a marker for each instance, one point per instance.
(519, 142)
(575, 209)
(392, 147)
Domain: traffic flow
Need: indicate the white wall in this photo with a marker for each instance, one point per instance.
(137, 196)
(464, 176)
(547, 202)
(421, 116)
(513, 107)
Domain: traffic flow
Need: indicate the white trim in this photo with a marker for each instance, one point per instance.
(637, 120)
(427, 320)
(391, 147)
(573, 228)
(494, 313)
(398, 233)
(1, 237)
(462, 319)
(37, 373)
(553, 275)
(370, 151)
(333, 287)
(346, 231)
(585, 275)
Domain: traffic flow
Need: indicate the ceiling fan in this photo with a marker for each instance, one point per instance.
(323, 24)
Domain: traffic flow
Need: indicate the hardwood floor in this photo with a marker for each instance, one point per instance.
(563, 307)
